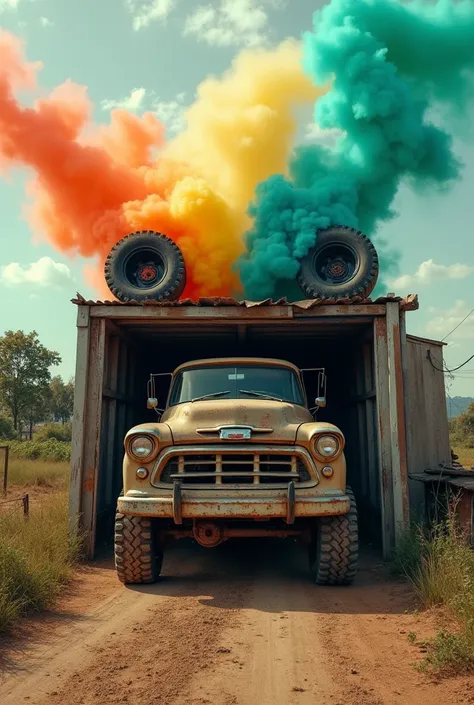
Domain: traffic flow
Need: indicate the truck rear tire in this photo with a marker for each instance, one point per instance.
(145, 265)
(138, 558)
(334, 551)
(343, 263)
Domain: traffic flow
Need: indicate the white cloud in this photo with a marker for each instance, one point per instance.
(171, 112)
(428, 272)
(145, 12)
(133, 102)
(446, 319)
(326, 137)
(44, 272)
(46, 22)
(8, 5)
(232, 23)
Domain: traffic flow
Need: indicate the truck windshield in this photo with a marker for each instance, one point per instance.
(242, 382)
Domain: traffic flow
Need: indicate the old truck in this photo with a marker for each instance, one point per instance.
(241, 463)
(236, 453)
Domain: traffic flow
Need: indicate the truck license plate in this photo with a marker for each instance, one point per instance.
(236, 434)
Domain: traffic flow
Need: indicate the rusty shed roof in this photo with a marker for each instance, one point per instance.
(409, 303)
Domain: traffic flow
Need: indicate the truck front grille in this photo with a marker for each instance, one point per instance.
(239, 469)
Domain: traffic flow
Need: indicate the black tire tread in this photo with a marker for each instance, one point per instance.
(363, 289)
(174, 289)
(338, 548)
(136, 559)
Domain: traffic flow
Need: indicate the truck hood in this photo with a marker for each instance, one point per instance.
(200, 421)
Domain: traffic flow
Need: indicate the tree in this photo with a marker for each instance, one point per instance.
(7, 431)
(462, 428)
(38, 410)
(24, 373)
(62, 399)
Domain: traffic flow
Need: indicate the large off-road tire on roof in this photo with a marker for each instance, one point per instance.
(145, 265)
(334, 552)
(343, 263)
(138, 556)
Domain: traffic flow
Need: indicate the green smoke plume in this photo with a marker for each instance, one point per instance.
(389, 64)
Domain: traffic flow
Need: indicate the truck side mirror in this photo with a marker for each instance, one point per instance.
(320, 402)
(151, 403)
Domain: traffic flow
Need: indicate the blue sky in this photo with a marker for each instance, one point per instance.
(123, 51)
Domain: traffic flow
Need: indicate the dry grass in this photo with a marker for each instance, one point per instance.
(37, 473)
(440, 566)
(36, 557)
(38, 552)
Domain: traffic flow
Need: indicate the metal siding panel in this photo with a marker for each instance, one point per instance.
(111, 455)
(79, 417)
(384, 436)
(92, 431)
(372, 468)
(427, 418)
(397, 421)
(439, 410)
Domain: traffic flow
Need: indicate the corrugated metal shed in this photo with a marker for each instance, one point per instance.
(410, 303)
(374, 367)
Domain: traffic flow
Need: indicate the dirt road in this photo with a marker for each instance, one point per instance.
(237, 625)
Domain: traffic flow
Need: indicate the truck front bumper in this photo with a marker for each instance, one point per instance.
(182, 504)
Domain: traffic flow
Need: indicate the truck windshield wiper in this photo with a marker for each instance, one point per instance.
(211, 396)
(262, 395)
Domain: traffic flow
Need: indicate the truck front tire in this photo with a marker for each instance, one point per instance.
(138, 558)
(334, 552)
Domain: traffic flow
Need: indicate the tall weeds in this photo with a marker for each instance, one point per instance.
(440, 565)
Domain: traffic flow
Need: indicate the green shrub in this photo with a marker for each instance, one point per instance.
(55, 431)
(461, 429)
(50, 449)
(7, 432)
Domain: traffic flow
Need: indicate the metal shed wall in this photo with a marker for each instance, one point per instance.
(426, 413)
(105, 401)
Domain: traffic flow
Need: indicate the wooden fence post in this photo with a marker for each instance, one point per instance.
(5, 468)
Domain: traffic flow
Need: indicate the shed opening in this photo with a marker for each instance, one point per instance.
(134, 349)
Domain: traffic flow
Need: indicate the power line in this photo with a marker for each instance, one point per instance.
(445, 369)
(459, 324)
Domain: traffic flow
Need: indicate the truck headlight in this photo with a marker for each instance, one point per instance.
(142, 447)
(327, 446)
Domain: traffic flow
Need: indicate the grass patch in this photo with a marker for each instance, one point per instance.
(37, 473)
(36, 557)
(440, 566)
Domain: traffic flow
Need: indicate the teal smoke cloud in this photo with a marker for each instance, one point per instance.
(390, 65)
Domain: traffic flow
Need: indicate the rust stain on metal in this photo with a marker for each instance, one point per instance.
(89, 480)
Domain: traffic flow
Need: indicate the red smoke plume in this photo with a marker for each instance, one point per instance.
(82, 187)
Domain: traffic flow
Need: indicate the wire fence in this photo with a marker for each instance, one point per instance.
(16, 504)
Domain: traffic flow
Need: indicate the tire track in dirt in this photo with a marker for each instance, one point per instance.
(139, 645)
(238, 625)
